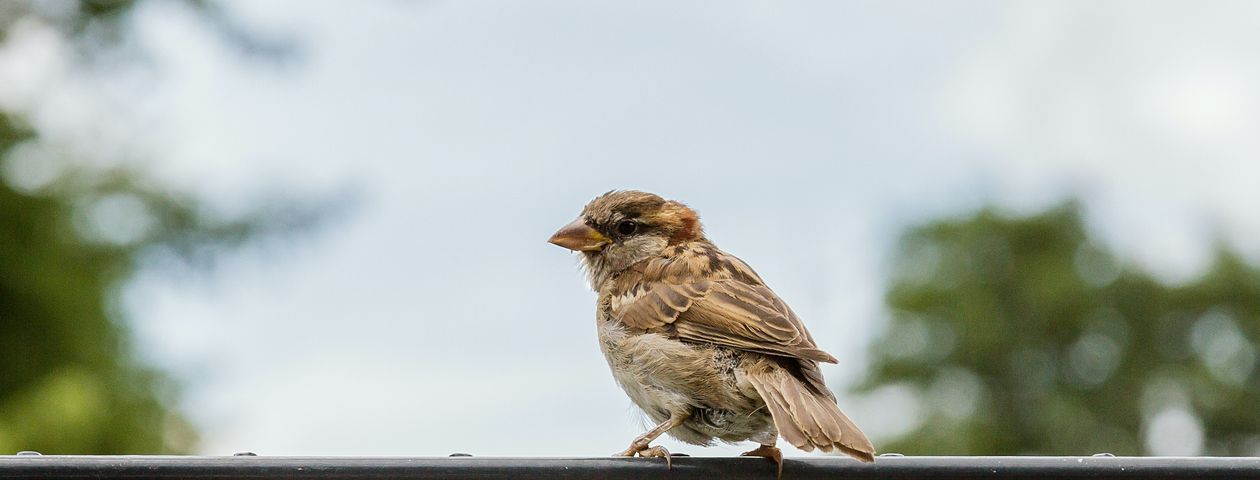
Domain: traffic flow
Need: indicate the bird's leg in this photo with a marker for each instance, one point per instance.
(640, 445)
(768, 451)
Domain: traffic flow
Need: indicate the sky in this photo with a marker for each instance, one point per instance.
(431, 316)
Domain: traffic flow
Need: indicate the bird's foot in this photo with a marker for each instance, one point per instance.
(645, 451)
(768, 451)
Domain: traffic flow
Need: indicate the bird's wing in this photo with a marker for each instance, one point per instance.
(727, 312)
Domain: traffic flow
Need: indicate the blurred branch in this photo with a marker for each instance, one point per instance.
(73, 233)
(104, 26)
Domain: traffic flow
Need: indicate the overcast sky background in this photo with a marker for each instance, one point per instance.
(433, 318)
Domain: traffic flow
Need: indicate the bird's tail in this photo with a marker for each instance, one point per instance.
(808, 419)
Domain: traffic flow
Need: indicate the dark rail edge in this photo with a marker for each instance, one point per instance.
(797, 468)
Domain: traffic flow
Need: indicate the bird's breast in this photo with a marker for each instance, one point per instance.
(626, 353)
(663, 375)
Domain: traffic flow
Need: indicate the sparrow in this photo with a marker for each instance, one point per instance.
(696, 338)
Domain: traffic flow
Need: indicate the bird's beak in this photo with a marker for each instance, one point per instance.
(579, 237)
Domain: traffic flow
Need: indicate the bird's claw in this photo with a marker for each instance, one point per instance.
(648, 452)
(767, 451)
(658, 451)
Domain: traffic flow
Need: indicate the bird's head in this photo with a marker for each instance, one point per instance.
(623, 227)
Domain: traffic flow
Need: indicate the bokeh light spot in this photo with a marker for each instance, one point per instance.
(117, 219)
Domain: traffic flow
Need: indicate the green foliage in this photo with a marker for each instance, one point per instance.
(1024, 336)
(69, 380)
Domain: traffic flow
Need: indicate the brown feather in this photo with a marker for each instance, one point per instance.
(806, 419)
(778, 410)
(726, 310)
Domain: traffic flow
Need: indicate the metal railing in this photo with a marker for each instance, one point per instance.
(457, 467)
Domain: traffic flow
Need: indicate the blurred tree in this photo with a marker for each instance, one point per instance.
(1024, 336)
(69, 237)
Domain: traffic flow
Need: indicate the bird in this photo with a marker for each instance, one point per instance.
(697, 340)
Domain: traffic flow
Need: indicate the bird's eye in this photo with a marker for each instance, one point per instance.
(627, 227)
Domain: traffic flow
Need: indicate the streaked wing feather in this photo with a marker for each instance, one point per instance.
(648, 307)
(724, 312)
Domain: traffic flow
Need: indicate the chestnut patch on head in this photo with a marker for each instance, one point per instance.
(688, 226)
